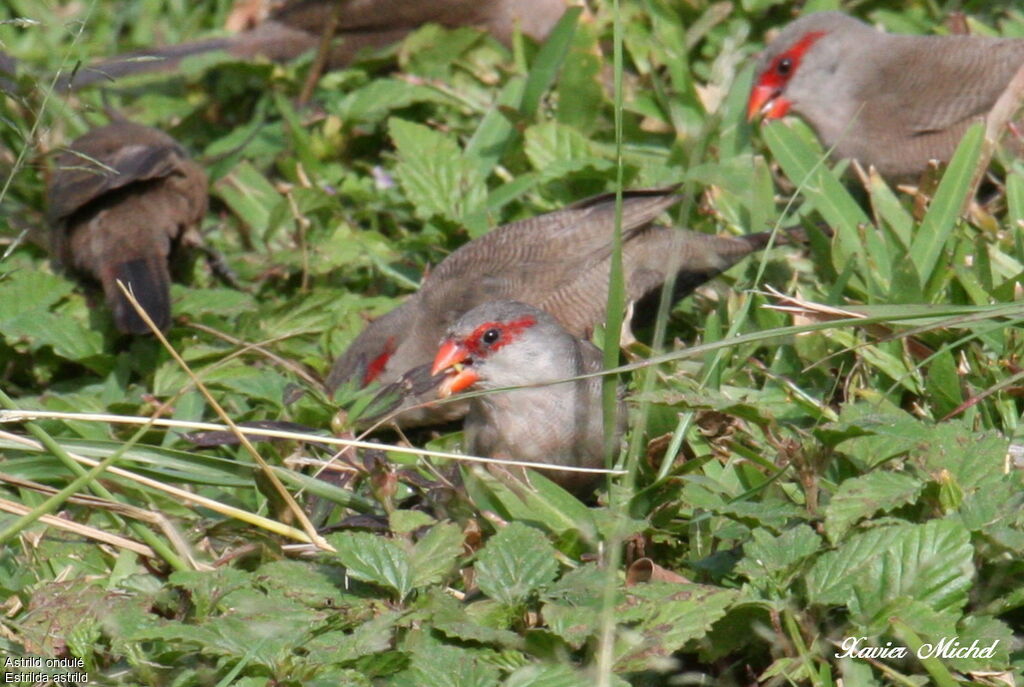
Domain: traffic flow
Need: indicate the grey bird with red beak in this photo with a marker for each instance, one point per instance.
(890, 101)
(547, 419)
(558, 262)
(124, 200)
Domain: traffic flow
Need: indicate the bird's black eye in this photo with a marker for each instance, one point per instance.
(490, 336)
(784, 66)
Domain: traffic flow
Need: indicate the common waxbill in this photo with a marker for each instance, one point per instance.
(295, 28)
(511, 344)
(891, 101)
(121, 199)
(558, 262)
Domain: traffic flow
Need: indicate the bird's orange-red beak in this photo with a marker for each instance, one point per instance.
(450, 356)
(767, 101)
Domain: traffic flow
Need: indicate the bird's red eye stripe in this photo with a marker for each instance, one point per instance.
(509, 332)
(773, 76)
(378, 364)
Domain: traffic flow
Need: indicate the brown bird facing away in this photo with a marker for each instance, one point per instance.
(296, 27)
(558, 262)
(511, 344)
(891, 101)
(122, 199)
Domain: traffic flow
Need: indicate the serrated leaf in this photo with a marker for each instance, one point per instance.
(68, 338)
(406, 521)
(435, 554)
(988, 632)
(372, 637)
(448, 666)
(930, 563)
(535, 675)
(667, 616)
(375, 559)
(436, 176)
(516, 562)
(483, 621)
(776, 555)
(24, 291)
(831, 578)
(556, 150)
(861, 497)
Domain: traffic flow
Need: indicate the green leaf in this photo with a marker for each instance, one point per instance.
(374, 101)
(805, 167)
(666, 616)
(495, 132)
(930, 563)
(435, 554)
(945, 208)
(775, 556)
(535, 675)
(406, 521)
(441, 665)
(375, 559)
(580, 93)
(254, 199)
(25, 291)
(436, 176)
(556, 150)
(515, 563)
(543, 504)
(831, 578)
(861, 497)
(68, 338)
(988, 632)
(549, 61)
(483, 622)
(943, 383)
(372, 637)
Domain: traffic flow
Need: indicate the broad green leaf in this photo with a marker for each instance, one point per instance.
(537, 675)
(776, 556)
(543, 503)
(374, 636)
(890, 211)
(406, 521)
(943, 383)
(442, 665)
(68, 337)
(23, 292)
(830, 580)
(665, 616)
(556, 150)
(515, 563)
(495, 133)
(472, 623)
(376, 559)
(435, 554)
(930, 563)
(377, 99)
(579, 90)
(862, 497)
(436, 176)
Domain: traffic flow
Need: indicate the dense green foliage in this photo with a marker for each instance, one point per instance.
(813, 474)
